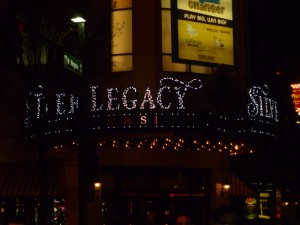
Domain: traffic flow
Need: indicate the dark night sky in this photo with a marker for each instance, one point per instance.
(275, 25)
(285, 19)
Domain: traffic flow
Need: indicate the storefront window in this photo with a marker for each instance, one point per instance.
(121, 31)
(163, 191)
(26, 210)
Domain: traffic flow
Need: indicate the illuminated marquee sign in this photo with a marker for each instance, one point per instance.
(148, 102)
(165, 107)
(67, 104)
(202, 31)
(296, 99)
(261, 106)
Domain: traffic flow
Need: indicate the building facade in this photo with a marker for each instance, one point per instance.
(148, 99)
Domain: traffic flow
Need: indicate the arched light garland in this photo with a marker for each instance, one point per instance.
(168, 144)
(177, 144)
(219, 124)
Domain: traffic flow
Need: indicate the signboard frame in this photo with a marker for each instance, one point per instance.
(197, 24)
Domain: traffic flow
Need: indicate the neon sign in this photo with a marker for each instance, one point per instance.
(166, 106)
(296, 97)
(260, 105)
(69, 103)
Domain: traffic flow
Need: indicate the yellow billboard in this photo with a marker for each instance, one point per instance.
(203, 31)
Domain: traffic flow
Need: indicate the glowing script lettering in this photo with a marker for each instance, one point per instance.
(116, 99)
(129, 99)
(260, 105)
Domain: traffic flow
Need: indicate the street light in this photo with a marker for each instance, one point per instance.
(83, 142)
(97, 187)
(78, 19)
(225, 190)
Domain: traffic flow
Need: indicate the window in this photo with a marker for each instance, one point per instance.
(167, 64)
(121, 31)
